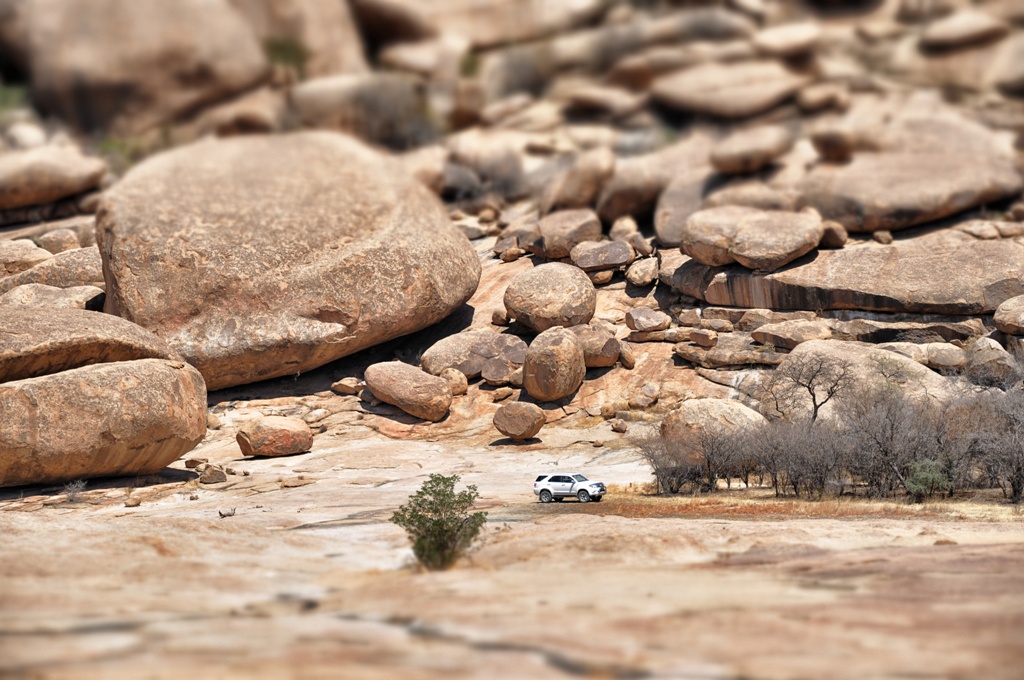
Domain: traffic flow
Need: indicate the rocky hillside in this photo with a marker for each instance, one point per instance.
(490, 215)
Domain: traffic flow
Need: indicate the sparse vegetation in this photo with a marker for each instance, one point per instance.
(73, 489)
(439, 522)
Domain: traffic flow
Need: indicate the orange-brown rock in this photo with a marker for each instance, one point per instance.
(36, 342)
(135, 65)
(258, 257)
(552, 294)
(555, 365)
(41, 295)
(519, 420)
(21, 254)
(469, 351)
(79, 267)
(46, 174)
(274, 436)
(414, 391)
(129, 418)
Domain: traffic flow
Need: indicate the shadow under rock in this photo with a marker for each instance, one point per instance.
(165, 476)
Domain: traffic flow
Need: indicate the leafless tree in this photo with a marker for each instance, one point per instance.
(672, 466)
(805, 380)
(1004, 444)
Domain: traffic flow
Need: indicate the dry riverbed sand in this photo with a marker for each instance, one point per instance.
(309, 579)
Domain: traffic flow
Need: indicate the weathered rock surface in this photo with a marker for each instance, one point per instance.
(643, 272)
(555, 365)
(788, 40)
(593, 256)
(789, 334)
(46, 174)
(563, 230)
(989, 364)
(414, 391)
(135, 65)
(962, 28)
(645, 319)
(751, 149)
(324, 28)
(519, 420)
(581, 184)
(59, 240)
(729, 90)
(48, 297)
(341, 249)
(130, 418)
(1009, 316)
(36, 342)
(695, 416)
(274, 436)
(80, 267)
(600, 348)
(21, 254)
(945, 277)
(471, 350)
(552, 294)
(763, 240)
(683, 197)
(888, 191)
(457, 381)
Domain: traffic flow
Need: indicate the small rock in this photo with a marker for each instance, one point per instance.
(882, 236)
(561, 231)
(274, 436)
(751, 149)
(623, 228)
(349, 386)
(591, 256)
(645, 319)
(704, 337)
(834, 142)
(133, 502)
(40, 295)
(213, 475)
(552, 294)
(788, 40)
(457, 380)
(601, 278)
(519, 420)
(59, 240)
(643, 272)
(192, 463)
(600, 348)
(515, 378)
(501, 394)
(834, 235)
(717, 325)
(499, 317)
(1009, 316)
(619, 425)
(21, 254)
(213, 422)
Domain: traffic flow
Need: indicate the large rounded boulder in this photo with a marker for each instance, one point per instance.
(555, 365)
(553, 294)
(258, 257)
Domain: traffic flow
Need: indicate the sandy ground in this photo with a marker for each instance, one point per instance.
(309, 579)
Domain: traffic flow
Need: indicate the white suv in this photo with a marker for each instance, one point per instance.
(558, 486)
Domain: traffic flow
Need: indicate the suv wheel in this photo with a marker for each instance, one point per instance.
(545, 496)
(583, 496)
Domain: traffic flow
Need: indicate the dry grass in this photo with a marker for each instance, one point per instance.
(761, 504)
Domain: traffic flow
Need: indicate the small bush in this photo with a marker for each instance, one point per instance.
(925, 478)
(73, 489)
(439, 523)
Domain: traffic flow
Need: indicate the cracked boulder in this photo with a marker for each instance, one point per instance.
(258, 257)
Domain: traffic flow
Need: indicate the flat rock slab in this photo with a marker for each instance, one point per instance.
(788, 334)
(788, 40)
(46, 174)
(751, 149)
(923, 276)
(79, 267)
(257, 257)
(130, 418)
(966, 27)
(762, 240)
(36, 342)
(49, 297)
(889, 191)
(736, 90)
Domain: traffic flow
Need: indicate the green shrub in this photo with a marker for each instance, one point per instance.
(438, 521)
(924, 479)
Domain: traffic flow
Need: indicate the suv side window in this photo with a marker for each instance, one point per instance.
(560, 479)
(541, 478)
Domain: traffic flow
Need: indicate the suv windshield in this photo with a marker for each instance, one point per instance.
(579, 478)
